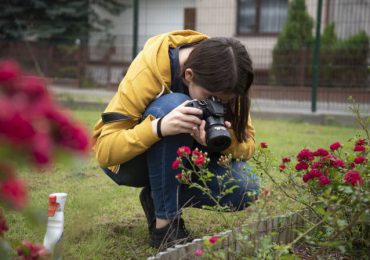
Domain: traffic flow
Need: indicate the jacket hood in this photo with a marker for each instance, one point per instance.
(155, 51)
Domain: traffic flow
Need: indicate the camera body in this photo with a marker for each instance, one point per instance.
(217, 136)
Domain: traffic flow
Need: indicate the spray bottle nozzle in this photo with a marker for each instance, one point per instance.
(53, 205)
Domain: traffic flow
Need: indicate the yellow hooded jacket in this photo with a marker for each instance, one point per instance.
(148, 76)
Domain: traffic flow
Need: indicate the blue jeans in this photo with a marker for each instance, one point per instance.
(169, 196)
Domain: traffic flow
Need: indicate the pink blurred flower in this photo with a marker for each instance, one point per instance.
(33, 87)
(42, 149)
(198, 252)
(9, 71)
(74, 137)
(30, 251)
(18, 128)
(13, 191)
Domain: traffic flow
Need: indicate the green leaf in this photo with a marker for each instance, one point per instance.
(231, 189)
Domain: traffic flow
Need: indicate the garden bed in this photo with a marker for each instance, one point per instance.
(282, 230)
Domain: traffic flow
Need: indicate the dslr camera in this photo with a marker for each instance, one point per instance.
(217, 136)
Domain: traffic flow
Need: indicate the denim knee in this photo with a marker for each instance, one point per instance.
(247, 188)
(165, 104)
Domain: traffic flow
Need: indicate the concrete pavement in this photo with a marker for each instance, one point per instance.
(327, 113)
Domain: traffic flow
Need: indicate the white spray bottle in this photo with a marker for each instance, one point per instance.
(54, 234)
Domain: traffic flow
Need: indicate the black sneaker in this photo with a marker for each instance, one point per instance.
(170, 235)
(148, 206)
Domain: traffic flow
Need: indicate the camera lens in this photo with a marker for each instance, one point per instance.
(218, 138)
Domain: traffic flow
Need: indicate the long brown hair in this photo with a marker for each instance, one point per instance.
(223, 65)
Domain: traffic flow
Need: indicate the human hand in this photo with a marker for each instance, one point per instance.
(199, 133)
(181, 120)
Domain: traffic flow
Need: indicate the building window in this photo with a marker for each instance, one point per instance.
(261, 16)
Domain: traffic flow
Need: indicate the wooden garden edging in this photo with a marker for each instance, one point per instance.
(283, 230)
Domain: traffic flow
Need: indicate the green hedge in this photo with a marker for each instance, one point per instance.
(343, 62)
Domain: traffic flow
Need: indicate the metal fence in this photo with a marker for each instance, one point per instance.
(279, 62)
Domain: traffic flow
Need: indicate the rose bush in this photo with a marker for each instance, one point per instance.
(34, 131)
(334, 184)
(194, 172)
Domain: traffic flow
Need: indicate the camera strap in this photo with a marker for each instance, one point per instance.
(177, 84)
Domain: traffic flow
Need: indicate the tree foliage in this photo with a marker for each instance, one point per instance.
(297, 31)
(59, 20)
(290, 48)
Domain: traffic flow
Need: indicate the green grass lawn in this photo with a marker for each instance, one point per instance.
(105, 221)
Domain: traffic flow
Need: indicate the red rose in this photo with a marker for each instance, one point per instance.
(305, 155)
(351, 165)
(329, 160)
(335, 146)
(175, 164)
(359, 148)
(200, 161)
(213, 239)
(361, 142)
(315, 173)
(263, 145)
(359, 159)
(183, 151)
(179, 176)
(301, 166)
(324, 180)
(353, 177)
(13, 191)
(197, 153)
(317, 165)
(307, 177)
(285, 159)
(282, 166)
(339, 164)
(320, 152)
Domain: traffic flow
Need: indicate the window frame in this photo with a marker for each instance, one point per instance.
(256, 31)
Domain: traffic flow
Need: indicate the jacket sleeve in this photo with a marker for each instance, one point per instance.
(120, 141)
(245, 149)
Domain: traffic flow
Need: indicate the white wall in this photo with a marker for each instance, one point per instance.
(155, 17)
